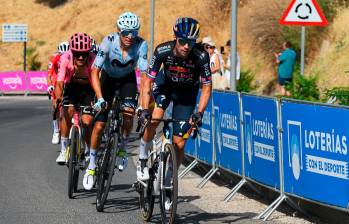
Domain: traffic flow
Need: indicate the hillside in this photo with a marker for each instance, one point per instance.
(258, 29)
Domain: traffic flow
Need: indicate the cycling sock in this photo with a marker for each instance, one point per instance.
(144, 148)
(92, 164)
(55, 126)
(87, 149)
(64, 144)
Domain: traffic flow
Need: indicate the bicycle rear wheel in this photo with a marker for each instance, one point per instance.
(105, 173)
(146, 196)
(169, 188)
(72, 161)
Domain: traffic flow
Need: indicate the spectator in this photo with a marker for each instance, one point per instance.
(285, 60)
(216, 63)
(227, 73)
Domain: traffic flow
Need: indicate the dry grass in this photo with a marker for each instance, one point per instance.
(332, 64)
(258, 29)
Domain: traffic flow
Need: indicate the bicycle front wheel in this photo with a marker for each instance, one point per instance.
(72, 161)
(146, 196)
(105, 173)
(169, 185)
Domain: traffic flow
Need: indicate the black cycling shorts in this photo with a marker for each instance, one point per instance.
(127, 86)
(79, 94)
(184, 101)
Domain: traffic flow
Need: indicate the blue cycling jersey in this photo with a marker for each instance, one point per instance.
(109, 56)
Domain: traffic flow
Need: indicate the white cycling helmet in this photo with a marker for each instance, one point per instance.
(128, 21)
(63, 47)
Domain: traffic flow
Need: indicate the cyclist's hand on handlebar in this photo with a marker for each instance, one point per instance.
(144, 116)
(50, 89)
(196, 119)
(101, 104)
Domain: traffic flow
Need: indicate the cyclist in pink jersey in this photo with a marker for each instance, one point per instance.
(51, 82)
(74, 74)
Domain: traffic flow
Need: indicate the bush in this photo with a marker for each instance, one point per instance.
(341, 95)
(32, 59)
(51, 3)
(304, 88)
(245, 83)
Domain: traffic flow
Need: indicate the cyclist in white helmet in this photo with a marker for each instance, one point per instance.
(120, 55)
(52, 72)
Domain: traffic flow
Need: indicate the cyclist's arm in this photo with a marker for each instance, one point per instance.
(142, 65)
(50, 71)
(96, 84)
(98, 65)
(205, 97)
(146, 86)
(59, 90)
(206, 80)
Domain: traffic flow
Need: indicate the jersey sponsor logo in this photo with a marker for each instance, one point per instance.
(163, 49)
(207, 70)
(178, 69)
(100, 53)
(111, 38)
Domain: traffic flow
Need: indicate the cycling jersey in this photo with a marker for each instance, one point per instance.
(67, 70)
(181, 72)
(178, 81)
(109, 56)
(53, 67)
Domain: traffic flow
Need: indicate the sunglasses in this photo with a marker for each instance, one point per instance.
(183, 42)
(125, 33)
(77, 54)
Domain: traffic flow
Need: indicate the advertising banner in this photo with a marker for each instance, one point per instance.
(12, 82)
(315, 146)
(227, 130)
(204, 140)
(37, 81)
(261, 148)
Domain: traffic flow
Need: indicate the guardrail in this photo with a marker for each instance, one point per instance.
(23, 83)
(295, 148)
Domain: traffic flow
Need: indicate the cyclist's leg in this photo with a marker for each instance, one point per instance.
(183, 107)
(69, 97)
(128, 93)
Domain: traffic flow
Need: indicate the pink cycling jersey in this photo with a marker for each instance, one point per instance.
(67, 69)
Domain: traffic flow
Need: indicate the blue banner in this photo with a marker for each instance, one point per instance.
(316, 152)
(227, 131)
(261, 141)
(204, 140)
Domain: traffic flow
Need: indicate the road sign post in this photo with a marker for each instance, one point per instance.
(17, 33)
(303, 13)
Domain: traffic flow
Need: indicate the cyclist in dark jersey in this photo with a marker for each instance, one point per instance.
(185, 69)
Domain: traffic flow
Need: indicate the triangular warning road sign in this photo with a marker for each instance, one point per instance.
(304, 13)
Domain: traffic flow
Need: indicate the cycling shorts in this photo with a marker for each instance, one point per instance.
(128, 92)
(79, 94)
(184, 102)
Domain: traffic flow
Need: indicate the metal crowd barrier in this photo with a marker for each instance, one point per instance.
(295, 148)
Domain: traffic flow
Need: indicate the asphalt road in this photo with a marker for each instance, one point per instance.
(33, 189)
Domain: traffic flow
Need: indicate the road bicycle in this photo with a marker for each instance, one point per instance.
(107, 158)
(162, 161)
(75, 151)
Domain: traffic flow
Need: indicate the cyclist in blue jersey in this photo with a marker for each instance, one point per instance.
(184, 64)
(119, 55)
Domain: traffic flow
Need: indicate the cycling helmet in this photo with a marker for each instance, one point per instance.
(80, 42)
(186, 27)
(128, 21)
(63, 47)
